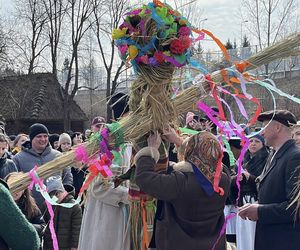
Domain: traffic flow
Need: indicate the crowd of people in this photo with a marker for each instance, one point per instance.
(191, 204)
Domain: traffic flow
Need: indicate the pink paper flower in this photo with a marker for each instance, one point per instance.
(184, 31)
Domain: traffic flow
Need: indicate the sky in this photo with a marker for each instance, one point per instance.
(222, 16)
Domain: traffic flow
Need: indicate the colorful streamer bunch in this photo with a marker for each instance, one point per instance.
(169, 41)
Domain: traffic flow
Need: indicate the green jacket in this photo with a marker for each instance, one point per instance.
(15, 231)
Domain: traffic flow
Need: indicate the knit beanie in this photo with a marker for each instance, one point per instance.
(259, 137)
(63, 138)
(37, 129)
(54, 183)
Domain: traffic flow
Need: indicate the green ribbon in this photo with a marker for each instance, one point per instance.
(188, 131)
(118, 155)
(231, 156)
(116, 131)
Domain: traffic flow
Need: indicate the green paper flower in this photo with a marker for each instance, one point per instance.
(162, 12)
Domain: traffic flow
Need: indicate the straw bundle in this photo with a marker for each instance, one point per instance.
(285, 48)
(52, 167)
(138, 124)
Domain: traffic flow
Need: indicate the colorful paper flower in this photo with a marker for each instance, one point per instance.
(162, 12)
(152, 61)
(177, 47)
(183, 21)
(184, 31)
(123, 49)
(158, 55)
(132, 51)
(186, 41)
(119, 33)
(142, 59)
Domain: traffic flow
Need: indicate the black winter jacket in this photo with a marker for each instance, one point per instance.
(6, 166)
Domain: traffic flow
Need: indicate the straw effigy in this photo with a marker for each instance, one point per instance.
(150, 103)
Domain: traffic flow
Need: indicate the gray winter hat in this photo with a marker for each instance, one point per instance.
(54, 183)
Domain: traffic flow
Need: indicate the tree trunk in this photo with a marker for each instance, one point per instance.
(66, 107)
(108, 96)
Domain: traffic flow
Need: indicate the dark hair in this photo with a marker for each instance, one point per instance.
(31, 208)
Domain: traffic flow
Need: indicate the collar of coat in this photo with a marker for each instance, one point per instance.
(183, 166)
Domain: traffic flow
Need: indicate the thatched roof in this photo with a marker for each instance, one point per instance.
(35, 97)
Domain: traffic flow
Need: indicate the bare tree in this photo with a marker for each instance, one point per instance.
(269, 20)
(55, 11)
(79, 13)
(106, 19)
(3, 44)
(32, 41)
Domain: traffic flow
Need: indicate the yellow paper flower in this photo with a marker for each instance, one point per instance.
(133, 52)
(183, 21)
(119, 33)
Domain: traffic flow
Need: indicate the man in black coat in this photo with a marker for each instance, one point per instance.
(276, 228)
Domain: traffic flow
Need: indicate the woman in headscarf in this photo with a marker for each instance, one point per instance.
(193, 194)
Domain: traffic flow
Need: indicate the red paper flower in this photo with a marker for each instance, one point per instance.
(176, 47)
(158, 55)
(184, 31)
(186, 41)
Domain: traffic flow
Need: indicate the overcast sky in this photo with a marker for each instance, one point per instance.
(223, 18)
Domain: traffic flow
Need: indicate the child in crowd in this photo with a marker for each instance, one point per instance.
(27, 205)
(67, 221)
(6, 165)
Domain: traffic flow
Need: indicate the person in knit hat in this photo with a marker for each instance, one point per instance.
(64, 143)
(188, 222)
(67, 221)
(37, 152)
(253, 164)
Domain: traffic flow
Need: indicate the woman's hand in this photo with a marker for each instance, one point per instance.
(170, 135)
(154, 140)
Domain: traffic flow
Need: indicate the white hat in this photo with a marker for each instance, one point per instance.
(63, 138)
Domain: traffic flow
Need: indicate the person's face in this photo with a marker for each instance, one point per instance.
(270, 132)
(22, 139)
(255, 145)
(77, 139)
(17, 195)
(97, 127)
(65, 146)
(3, 148)
(55, 145)
(40, 142)
(296, 135)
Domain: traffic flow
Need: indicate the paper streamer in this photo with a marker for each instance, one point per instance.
(37, 182)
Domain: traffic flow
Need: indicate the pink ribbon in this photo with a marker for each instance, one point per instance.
(39, 183)
(81, 154)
